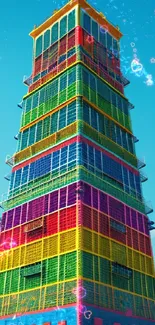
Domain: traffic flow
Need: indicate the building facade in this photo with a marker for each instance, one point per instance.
(75, 235)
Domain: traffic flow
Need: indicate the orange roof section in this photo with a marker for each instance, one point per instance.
(99, 17)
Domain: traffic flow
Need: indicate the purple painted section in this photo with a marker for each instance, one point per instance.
(63, 197)
(67, 196)
(128, 217)
(95, 198)
(134, 219)
(116, 210)
(140, 222)
(103, 202)
(71, 199)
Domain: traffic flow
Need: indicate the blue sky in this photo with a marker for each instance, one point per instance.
(136, 20)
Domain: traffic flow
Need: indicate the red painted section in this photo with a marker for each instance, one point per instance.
(66, 219)
(98, 321)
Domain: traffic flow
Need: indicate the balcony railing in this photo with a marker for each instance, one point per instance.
(27, 80)
(135, 139)
(9, 161)
(148, 207)
(151, 225)
(20, 105)
(140, 163)
(143, 177)
(7, 177)
(125, 81)
(131, 106)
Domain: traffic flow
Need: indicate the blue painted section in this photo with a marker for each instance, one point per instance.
(111, 318)
(54, 316)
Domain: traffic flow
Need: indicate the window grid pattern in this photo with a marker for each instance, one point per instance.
(104, 203)
(54, 55)
(94, 55)
(51, 96)
(66, 218)
(100, 33)
(65, 159)
(69, 114)
(90, 261)
(57, 31)
(51, 124)
(104, 296)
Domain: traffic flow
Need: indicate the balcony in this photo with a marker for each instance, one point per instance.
(9, 161)
(143, 177)
(7, 177)
(151, 225)
(20, 105)
(125, 81)
(131, 106)
(148, 207)
(135, 139)
(27, 80)
(141, 163)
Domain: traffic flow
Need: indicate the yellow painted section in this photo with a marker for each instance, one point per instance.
(59, 136)
(70, 5)
(79, 238)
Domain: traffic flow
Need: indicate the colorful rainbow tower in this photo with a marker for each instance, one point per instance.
(75, 236)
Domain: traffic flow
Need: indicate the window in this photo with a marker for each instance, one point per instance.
(125, 107)
(63, 82)
(24, 139)
(109, 42)
(86, 22)
(63, 157)
(39, 45)
(28, 104)
(39, 131)
(124, 140)
(46, 39)
(71, 116)
(114, 99)
(86, 115)
(46, 126)
(63, 26)
(103, 36)
(94, 119)
(55, 160)
(54, 33)
(72, 152)
(71, 20)
(98, 159)
(71, 77)
(54, 122)
(24, 178)
(85, 77)
(71, 52)
(117, 226)
(92, 82)
(32, 135)
(121, 270)
(62, 58)
(18, 177)
(35, 100)
(115, 48)
(62, 118)
(95, 30)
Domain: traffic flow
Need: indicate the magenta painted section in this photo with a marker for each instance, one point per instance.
(90, 196)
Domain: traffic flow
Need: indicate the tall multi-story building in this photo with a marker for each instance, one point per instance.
(75, 235)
